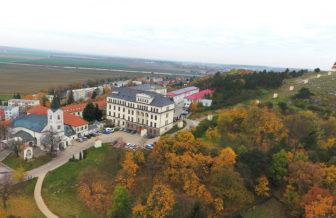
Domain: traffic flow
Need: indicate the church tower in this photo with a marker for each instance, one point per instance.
(56, 116)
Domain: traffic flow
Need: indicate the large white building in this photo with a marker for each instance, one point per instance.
(140, 110)
(85, 93)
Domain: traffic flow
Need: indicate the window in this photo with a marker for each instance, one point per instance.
(167, 115)
(151, 116)
(59, 127)
(50, 117)
(154, 124)
(58, 117)
(109, 106)
(155, 117)
(166, 122)
(151, 124)
(109, 113)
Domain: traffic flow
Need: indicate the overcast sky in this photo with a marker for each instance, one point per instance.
(284, 33)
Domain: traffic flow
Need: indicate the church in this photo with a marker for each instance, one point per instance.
(41, 123)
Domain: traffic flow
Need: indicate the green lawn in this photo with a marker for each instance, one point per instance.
(60, 186)
(269, 209)
(175, 128)
(15, 162)
(21, 203)
(5, 97)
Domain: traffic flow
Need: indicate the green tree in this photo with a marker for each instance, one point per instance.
(121, 203)
(303, 93)
(70, 98)
(317, 70)
(98, 113)
(89, 112)
(94, 93)
(279, 166)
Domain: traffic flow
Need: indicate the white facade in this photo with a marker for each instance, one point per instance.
(140, 113)
(179, 95)
(10, 112)
(85, 93)
(23, 103)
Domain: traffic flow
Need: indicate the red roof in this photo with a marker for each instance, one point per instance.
(80, 107)
(73, 120)
(38, 110)
(199, 95)
(69, 119)
(6, 122)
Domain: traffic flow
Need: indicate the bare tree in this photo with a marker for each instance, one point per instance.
(51, 141)
(5, 188)
(3, 131)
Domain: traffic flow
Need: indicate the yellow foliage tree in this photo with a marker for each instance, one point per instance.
(330, 177)
(262, 188)
(160, 201)
(19, 174)
(227, 157)
(128, 172)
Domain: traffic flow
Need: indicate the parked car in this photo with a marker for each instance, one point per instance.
(133, 132)
(106, 132)
(149, 146)
(109, 129)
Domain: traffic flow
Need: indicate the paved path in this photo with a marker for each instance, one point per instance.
(39, 200)
(64, 157)
(4, 153)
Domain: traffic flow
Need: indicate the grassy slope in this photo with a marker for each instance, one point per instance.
(60, 185)
(269, 209)
(15, 162)
(22, 203)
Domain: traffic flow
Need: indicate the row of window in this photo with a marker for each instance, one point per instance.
(132, 105)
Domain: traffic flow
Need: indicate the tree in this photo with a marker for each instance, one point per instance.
(304, 174)
(262, 188)
(56, 103)
(318, 203)
(98, 113)
(5, 189)
(19, 174)
(226, 158)
(317, 70)
(89, 112)
(95, 93)
(330, 177)
(51, 141)
(94, 191)
(279, 166)
(121, 203)
(128, 172)
(303, 93)
(70, 98)
(44, 100)
(160, 201)
(17, 96)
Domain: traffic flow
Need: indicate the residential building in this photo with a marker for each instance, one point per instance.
(140, 110)
(151, 88)
(179, 95)
(23, 103)
(121, 83)
(9, 112)
(85, 93)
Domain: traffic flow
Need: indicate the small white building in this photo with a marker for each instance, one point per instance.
(9, 112)
(23, 103)
(179, 95)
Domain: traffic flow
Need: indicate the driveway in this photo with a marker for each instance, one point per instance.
(64, 156)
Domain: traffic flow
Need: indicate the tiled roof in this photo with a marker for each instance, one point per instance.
(181, 91)
(129, 94)
(80, 107)
(147, 87)
(38, 110)
(33, 122)
(200, 95)
(73, 120)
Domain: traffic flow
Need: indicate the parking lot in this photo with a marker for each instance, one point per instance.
(125, 138)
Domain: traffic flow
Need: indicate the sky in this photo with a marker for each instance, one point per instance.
(286, 33)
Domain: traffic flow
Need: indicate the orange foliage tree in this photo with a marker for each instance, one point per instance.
(128, 172)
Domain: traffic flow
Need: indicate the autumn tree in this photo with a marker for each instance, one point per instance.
(19, 174)
(159, 203)
(94, 191)
(128, 172)
(318, 203)
(329, 179)
(262, 188)
(70, 97)
(304, 174)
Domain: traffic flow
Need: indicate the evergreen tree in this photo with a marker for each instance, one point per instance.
(89, 112)
(70, 98)
(94, 94)
(56, 103)
(98, 113)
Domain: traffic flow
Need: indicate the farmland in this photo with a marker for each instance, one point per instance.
(27, 79)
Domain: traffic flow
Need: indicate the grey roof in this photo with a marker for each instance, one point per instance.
(69, 131)
(147, 87)
(25, 136)
(129, 94)
(33, 122)
(92, 127)
(183, 90)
